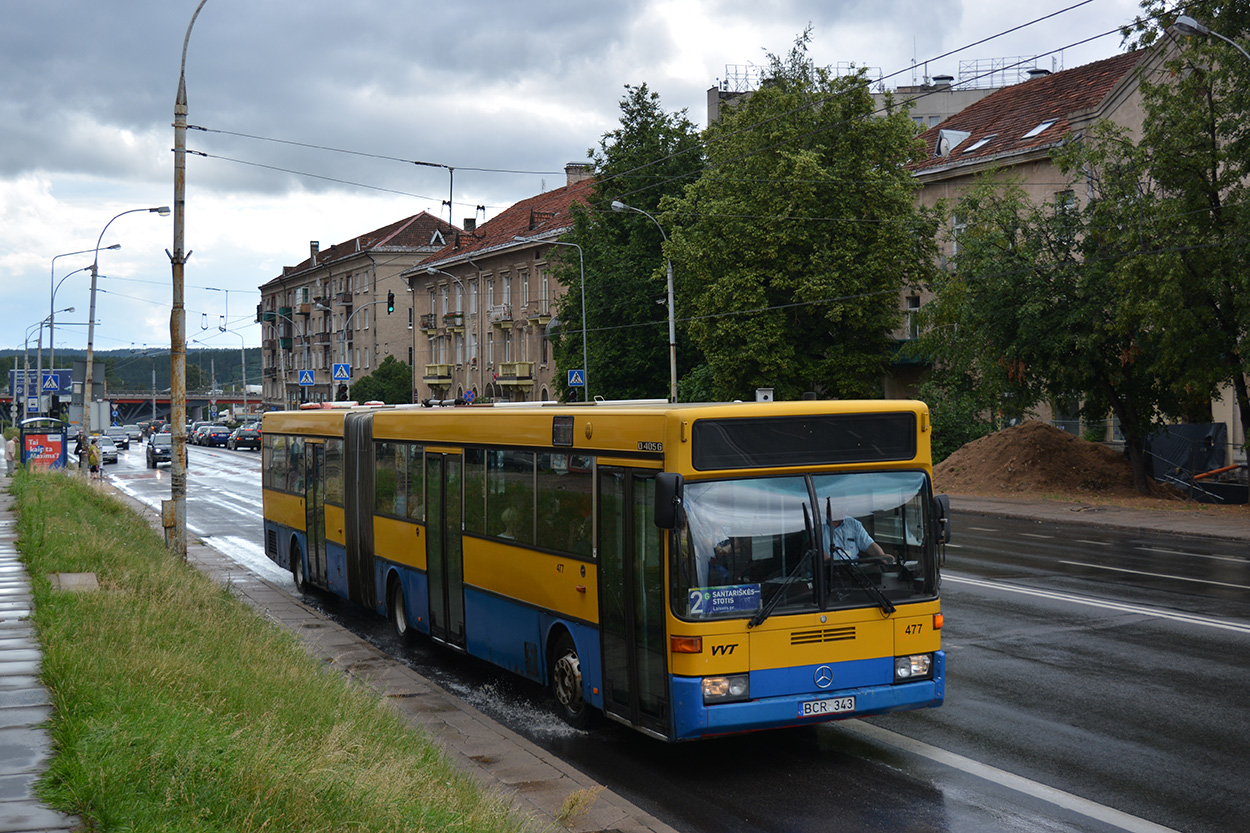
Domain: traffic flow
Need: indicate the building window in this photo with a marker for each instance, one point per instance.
(410, 321)
(472, 297)
(525, 288)
(490, 292)
(913, 316)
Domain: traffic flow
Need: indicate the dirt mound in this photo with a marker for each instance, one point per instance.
(1037, 458)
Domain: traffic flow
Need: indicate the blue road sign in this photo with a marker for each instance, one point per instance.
(342, 373)
(577, 378)
(306, 378)
(51, 382)
(469, 396)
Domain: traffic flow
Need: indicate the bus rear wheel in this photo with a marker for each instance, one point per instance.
(566, 683)
(297, 569)
(398, 611)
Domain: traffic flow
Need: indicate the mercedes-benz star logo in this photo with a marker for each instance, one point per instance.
(824, 676)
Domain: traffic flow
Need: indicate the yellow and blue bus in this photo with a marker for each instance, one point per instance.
(689, 570)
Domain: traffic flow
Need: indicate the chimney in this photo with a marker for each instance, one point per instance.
(470, 224)
(313, 248)
(1038, 72)
(575, 172)
(943, 81)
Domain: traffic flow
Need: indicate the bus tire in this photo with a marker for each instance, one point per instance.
(298, 574)
(397, 610)
(566, 683)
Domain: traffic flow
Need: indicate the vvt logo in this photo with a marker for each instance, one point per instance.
(823, 676)
(723, 649)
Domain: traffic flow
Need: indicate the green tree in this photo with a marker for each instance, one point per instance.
(1197, 144)
(792, 248)
(391, 383)
(651, 154)
(1039, 304)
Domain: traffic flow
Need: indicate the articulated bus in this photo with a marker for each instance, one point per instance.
(688, 570)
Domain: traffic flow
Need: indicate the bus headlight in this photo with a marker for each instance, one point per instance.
(914, 667)
(731, 689)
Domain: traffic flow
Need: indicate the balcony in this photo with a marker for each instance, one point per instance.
(343, 299)
(268, 316)
(285, 343)
(321, 338)
(454, 321)
(284, 312)
(501, 315)
(270, 373)
(515, 374)
(540, 313)
(303, 309)
(437, 375)
(429, 324)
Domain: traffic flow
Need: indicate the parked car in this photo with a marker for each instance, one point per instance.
(160, 447)
(119, 435)
(108, 449)
(245, 436)
(214, 435)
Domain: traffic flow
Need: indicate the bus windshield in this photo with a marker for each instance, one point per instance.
(796, 544)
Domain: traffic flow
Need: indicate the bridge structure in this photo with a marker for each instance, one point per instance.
(138, 406)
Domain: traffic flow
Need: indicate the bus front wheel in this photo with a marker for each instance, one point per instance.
(566, 683)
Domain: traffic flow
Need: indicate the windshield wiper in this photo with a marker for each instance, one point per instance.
(780, 592)
(852, 567)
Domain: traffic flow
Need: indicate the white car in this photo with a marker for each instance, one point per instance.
(108, 449)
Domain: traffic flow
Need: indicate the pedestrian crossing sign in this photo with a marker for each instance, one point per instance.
(51, 382)
(306, 377)
(342, 373)
(577, 378)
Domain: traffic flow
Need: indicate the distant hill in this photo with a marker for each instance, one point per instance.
(130, 370)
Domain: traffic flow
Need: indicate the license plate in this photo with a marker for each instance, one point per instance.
(833, 705)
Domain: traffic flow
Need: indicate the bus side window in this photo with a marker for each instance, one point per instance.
(510, 495)
(295, 465)
(387, 489)
(564, 498)
(475, 490)
(414, 459)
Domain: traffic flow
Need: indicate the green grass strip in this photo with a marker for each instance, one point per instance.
(178, 708)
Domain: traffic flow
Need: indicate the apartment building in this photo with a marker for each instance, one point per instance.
(485, 302)
(331, 310)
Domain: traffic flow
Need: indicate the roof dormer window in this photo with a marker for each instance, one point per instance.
(1037, 131)
(978, 144)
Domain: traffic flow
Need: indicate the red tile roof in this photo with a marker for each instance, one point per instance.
(1010, 113)
(411, 234)
(543, 214)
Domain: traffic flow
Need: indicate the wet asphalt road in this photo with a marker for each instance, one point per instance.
(1096, 683)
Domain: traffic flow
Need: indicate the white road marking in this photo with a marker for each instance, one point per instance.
(1106, 605)
(1155, 575)
(1035, 535)
(982, 529)
(1066, 800)
(1095, 543)
(1238, 559)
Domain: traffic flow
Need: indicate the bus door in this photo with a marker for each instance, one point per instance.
(443, 554)
(315, 511)
(631, 598)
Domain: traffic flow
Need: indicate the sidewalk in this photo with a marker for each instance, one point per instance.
(24, 703)
(1187, 519)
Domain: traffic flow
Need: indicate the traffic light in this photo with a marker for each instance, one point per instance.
(390, 302)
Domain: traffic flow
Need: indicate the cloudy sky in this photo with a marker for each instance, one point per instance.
(506, 92)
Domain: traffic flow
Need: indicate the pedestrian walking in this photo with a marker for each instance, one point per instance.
(10, 455)
(93, 460)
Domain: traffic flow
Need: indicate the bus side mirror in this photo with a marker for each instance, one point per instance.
(942, 517)
(668, 489)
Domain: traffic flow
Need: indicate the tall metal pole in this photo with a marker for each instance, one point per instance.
(177, 536)
(95, 270)
(617, 205)
(52, 318)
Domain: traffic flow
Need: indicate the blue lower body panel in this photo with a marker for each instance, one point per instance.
(778, 695)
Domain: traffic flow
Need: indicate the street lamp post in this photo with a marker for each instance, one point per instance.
(481, 332)
(95, 271)
(54, 285)
(617, 205)
(581, 263)
(1186, 25)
